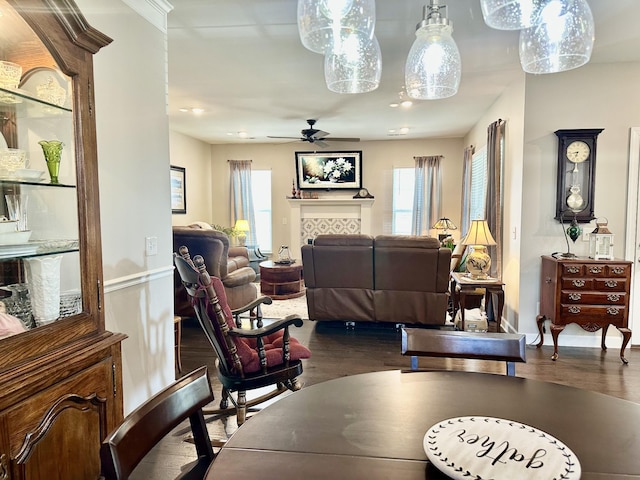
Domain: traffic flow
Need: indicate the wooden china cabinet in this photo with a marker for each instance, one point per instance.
(60, 379)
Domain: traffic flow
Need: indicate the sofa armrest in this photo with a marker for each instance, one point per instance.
(238, 251)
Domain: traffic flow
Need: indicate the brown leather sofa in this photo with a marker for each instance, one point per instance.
(229, 263)
(389, 278)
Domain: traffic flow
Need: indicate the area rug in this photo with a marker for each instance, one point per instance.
(282, 308)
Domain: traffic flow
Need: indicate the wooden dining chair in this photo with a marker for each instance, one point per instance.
(504, 347)
(247, 359)
(143, 428)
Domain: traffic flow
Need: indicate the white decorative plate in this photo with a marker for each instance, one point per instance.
(482, 448)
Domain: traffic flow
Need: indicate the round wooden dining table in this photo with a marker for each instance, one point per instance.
(372, 426)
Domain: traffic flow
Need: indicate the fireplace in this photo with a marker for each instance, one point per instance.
(312, 217)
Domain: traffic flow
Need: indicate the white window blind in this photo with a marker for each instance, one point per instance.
(403, 183)
(478, 184)
(261, 190)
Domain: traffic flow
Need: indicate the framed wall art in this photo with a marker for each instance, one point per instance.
(178, 190)
(329, 170)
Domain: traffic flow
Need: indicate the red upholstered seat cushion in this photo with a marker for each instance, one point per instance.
(247, 347)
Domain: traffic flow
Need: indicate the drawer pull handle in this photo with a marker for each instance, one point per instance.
(4, 468)
(618, 270)
(578, 283)
(612, 297)
(575, 296)
(613, 311)
(595, 269)
(574, 309)
(611, 283)
(573, 270)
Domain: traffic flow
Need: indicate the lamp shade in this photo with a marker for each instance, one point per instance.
(479, 234)
(512, 14)
(353, 65)
(444, 224)
(323, 22)
(242, 225)
(433, 66)
(563, 41)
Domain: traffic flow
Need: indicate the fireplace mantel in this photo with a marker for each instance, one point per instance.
(327, 215)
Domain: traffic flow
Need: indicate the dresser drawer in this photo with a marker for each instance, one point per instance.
(580, 283)
(622, 270)
(610, 284)
(604, 314)
(593, 298)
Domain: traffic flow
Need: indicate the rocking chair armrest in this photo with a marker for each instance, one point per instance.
(263, 299)
(267, 329)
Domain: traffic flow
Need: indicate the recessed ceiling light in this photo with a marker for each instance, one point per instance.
(406, 103)
(404, 130)
(184, 109)
(197, 110)
(394, 104)
(242, 134)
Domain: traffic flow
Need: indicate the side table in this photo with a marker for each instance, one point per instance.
(281, 281)
(461, 285)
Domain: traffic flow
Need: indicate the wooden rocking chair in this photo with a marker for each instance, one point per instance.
(247, 359)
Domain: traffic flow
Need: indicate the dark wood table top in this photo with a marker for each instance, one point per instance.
(372, 426)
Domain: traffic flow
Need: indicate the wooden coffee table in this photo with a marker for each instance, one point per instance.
(281, 281)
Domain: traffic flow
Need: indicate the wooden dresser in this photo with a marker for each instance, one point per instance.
(591, 293)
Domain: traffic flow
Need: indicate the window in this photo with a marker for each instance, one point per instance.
(478, 184)
(261, 190)
(403, 185)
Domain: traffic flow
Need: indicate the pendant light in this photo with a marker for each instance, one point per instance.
(512, 14)
(563, 41)
(433, 66)
(321, 22)
(354, 65)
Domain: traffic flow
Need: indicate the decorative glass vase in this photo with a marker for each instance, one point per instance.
(52, 152)
(44, 288)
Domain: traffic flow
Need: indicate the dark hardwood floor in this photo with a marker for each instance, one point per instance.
(337, 351)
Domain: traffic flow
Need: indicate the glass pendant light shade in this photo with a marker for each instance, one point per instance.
(512, 14)
(433, 66)
(563, 41)
(354, 65)
(321, 22)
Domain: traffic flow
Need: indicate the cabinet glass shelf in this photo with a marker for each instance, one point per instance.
(36, 107)
(37, 248)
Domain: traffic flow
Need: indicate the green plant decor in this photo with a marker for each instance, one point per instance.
(230, 231)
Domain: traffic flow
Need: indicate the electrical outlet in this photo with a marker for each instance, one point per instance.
(151, 246)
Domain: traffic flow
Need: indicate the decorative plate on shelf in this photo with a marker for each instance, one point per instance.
(483, 448)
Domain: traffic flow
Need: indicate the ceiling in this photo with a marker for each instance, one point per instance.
(243, 63)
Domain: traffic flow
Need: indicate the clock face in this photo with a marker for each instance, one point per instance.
(578, 151)
(364, 192)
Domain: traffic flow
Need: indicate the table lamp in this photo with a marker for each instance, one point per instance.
(478, 261)
(445, 225)
(242, 226)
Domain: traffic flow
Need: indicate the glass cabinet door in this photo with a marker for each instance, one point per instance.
(40, 262)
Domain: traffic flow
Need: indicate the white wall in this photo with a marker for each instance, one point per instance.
(133, 156)
(594, 96)
(510, 108)
(378, 160)
(195, 156)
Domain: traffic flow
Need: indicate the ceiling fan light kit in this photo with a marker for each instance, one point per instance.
(433, 66)
(353, 67)
(563, 41)
(321, 23)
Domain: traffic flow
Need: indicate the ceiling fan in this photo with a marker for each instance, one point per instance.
(317, 137)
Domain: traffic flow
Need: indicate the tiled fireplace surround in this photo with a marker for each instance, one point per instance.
(311, 217)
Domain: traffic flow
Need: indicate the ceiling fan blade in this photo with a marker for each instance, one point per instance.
(337, 139)
(320, 143)
(320, 134)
